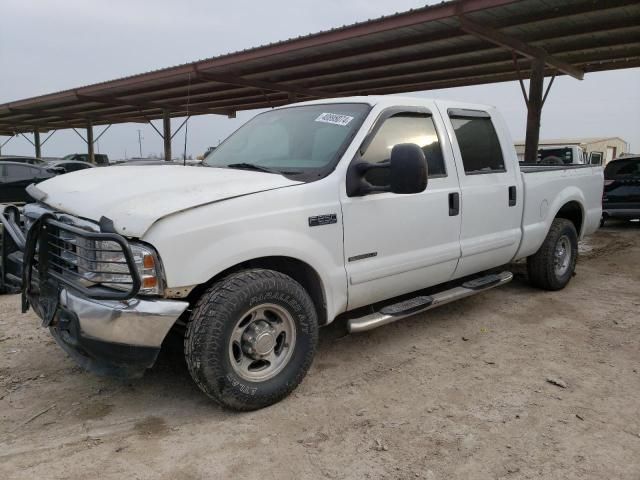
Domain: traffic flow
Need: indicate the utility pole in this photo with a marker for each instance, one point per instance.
(140, 141)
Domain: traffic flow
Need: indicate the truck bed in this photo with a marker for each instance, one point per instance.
(536, 167)
(547, 188)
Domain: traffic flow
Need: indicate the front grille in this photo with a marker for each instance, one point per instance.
(98, 265)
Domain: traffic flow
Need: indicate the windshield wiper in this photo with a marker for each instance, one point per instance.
(258, 168)
(253, 166)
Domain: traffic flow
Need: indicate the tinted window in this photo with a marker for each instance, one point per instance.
(622, 168)
(17, 172)
(596, 158)
(72, 167)
(555, 155)
(479, 144)
(404, 128)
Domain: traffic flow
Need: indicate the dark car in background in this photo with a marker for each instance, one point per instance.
(100, 158)
(15, 177)
(621, 197)
(68, 166)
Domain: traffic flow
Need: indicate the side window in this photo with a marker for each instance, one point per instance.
(17, 172)
(407, 127)
(479, 144)
(596, 158)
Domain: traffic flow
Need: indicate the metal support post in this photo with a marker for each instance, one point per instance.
(36, 142)
(166, 135)
(534, 110)
(92, 158)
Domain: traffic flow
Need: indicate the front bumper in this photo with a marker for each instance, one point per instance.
(109, 337)
(104, 330)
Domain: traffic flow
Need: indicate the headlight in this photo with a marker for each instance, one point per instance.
(110, 268)
(116, 270)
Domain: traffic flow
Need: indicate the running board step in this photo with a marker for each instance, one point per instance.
(406, 308)
(482, 282)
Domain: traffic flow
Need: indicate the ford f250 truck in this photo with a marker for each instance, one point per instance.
(365, 209)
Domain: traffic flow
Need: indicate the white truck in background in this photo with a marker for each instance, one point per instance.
(568, 155)
(306, 214)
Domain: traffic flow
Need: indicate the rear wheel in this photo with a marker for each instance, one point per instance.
(552, 266)
(251, 339)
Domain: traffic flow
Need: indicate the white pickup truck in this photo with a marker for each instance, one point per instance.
(305, 215)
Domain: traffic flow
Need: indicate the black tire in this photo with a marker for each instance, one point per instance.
(603, 219)
(208, 339)
(541, 266)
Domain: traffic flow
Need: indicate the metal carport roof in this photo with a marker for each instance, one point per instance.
(455, 43)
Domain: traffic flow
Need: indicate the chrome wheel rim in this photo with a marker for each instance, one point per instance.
(562, 256)
(262, 342)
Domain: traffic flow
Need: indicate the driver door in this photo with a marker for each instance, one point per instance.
(399, 243)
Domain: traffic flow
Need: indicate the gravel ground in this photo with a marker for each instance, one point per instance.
(463, 391)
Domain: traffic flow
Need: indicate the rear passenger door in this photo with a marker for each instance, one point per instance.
(491, 203)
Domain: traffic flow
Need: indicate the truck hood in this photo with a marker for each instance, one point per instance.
(134, 198)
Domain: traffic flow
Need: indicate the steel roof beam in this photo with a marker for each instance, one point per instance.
(112, 100)
(40, 112)
(512, 43)
(261, 84)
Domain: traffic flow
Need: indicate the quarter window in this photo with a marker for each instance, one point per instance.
(479, 144)
(415, 128)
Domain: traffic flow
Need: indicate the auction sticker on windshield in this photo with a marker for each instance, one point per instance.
(334, 118)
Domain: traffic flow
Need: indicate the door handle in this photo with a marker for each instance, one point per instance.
(454, 204)
(512, 196)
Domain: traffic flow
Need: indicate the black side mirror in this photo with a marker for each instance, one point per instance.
(407, 169)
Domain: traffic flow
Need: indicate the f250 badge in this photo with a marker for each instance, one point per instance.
(319, 220)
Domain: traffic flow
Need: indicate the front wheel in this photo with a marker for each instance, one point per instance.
(251, 339)
(552, 266)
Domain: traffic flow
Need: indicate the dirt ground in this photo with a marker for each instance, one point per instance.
(459, 392)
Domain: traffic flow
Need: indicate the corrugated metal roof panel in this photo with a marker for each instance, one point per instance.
(417, 50)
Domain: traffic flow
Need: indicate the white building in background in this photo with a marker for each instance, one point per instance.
(609, 147)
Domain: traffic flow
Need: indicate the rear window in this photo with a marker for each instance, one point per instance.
(555, 155)
(622, 169)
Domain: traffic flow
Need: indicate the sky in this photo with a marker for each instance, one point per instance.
(47, 46)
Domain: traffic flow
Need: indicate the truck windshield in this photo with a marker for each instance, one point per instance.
(305, 141)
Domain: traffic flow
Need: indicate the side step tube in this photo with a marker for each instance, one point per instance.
(377, 319)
